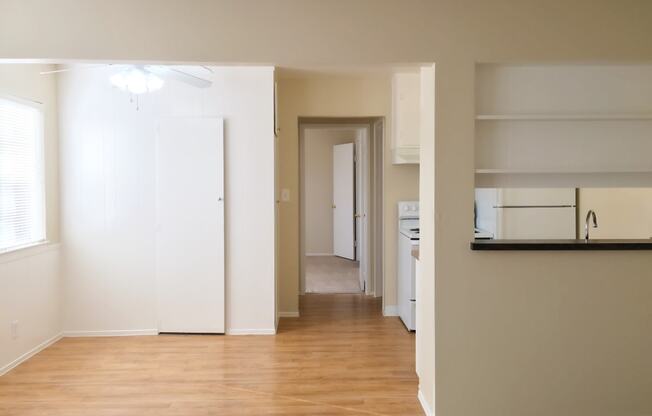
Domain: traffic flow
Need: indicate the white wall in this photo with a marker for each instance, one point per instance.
(29, 278)
(107, 192)
(425, 309)
(318, 185)
(30, 293)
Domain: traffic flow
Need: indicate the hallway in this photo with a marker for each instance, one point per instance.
(341, 357)
(331, 274)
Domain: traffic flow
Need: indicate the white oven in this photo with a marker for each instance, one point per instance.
(408, 237)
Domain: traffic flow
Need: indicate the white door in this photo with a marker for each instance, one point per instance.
(190, 225)
(343, 201)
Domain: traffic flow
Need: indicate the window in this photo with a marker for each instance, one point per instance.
(22, 199)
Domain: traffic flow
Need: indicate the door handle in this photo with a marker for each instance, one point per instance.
(334, 206)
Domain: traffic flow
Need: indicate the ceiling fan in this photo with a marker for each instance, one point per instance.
(140, 79)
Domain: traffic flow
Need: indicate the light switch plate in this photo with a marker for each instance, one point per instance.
(285, 195)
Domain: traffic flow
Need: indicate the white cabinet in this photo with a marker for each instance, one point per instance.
(405, 117)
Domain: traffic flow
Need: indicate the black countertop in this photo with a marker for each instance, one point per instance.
(561, 244)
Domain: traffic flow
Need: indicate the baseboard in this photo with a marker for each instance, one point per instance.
(111, 333)
(320, 254)
(256, 331)
(291, 314)
(424, 404)
(29, 354)
(390, 310)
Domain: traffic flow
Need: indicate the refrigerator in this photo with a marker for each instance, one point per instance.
(527, 213)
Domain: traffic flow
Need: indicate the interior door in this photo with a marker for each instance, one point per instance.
(190, 225)
(344, 201)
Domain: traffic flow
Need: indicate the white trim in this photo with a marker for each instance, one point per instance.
(27, 251)
(424, 404)
(390, 310)
(290, 314)
(260, 331)
(320, 254)
(111, 333)
(29, 354)
(25, 101)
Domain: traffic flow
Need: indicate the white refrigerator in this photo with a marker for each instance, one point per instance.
(527, 213)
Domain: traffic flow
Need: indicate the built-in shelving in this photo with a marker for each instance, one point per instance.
(563, 125)
(562, 117)
(558, 171)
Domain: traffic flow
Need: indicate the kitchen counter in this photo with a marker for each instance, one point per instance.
(631, 244)
(415, 252)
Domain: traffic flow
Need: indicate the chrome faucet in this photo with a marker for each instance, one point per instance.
(589, 214)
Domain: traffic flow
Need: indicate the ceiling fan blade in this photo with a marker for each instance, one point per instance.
(181, 76)
(57, 71)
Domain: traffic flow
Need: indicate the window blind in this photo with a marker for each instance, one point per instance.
(22, 200)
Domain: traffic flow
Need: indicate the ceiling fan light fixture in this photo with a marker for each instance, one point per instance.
(136, 81)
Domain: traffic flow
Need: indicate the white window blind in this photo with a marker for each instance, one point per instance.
(22, 199)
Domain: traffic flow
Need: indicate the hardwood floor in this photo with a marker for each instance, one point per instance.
(340, 358)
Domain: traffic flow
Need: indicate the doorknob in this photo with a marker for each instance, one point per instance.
(334, 206)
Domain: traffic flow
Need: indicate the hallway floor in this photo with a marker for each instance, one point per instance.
(331, 274)
(341, 357)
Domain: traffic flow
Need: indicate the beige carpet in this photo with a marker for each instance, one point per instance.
(330, 274)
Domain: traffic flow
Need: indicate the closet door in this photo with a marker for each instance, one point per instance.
(190, 225)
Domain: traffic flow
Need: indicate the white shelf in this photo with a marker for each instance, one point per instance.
(562, 117)
(557, 172)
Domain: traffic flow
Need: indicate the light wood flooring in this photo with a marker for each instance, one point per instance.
(340, 358)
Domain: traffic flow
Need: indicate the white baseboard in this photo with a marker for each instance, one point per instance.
(390, 310)
(29, 354)
(111, 333)
(320, 254)
(424, 404)
(291, 314)
(257, 331)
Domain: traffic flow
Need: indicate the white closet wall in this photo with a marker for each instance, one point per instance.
(108, 197)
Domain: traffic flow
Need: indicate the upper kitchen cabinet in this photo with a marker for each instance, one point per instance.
(405, 117)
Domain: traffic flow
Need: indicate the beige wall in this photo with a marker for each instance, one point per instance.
(25, 81)
(318, 95)
(318, 185)
(621, 212)
(534, 333)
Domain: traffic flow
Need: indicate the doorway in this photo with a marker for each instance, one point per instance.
(339, 187)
